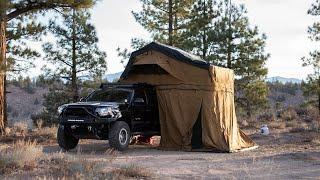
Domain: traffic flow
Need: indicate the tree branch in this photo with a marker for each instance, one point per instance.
(34, 6)
(65, 62)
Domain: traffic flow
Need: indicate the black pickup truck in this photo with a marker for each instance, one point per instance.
(115, 112)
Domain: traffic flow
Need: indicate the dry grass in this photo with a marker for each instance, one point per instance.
(67, 166)
(20, 128)
(247, 170)
(130, 171)
(277, 125)
(22, 155)
(47, 132)
(289, 114)
(19, 131)
(316, 141)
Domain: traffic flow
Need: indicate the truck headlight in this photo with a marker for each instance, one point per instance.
(61, 108)
(109, 112)
(104, 111)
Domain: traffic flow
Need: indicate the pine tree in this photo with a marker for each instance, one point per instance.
(25, 11)
(199, 28)
(55, 97)
(312, 86)
(164, 19)
(75, 53)
(239, 47)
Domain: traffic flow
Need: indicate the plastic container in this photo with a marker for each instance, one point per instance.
(264, 130)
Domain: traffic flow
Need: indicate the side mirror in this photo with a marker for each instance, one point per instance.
(82, 99)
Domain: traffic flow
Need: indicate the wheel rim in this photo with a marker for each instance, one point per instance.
(123, 136)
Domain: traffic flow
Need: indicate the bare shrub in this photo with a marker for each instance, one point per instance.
(47, 132)
(7, 131)
(289, 114)
(39, 123)
(266, 117)
(84, 168)
(316, 141)
(23, 154)
(244, 123)
(313, 112)
(298, 126)
(249, 122)
(67, 166)
(277, 125)
(130, 171)
(20, 128)
(315, 126)
(291, 123)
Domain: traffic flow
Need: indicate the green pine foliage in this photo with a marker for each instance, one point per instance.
(311, 87)
(75, 53)
(165, 19)
(57, 95)
(18, 19)
(23, 25)
(198, 36)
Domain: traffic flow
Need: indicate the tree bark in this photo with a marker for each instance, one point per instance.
(3, 115)
(170, 23)
(229, 39)
(319, 95)
(74, 61)
(319, 104)
(204, 35)
(248, 110)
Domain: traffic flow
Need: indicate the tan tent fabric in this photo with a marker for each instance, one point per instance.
(178, 117)
(184, 92)
(220, 128)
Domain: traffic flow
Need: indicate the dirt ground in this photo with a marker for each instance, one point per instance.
(281, 155)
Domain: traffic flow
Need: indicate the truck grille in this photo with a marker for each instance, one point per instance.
(78, 111)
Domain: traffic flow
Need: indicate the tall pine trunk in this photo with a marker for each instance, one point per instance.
(74, 61)
(319, 95)
(229, 39)
(170, 23)
(319, 103)
(204, 38)
(249, 113)
(3, 49)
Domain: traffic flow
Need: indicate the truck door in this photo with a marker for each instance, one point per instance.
(152, 113)
(139, 110)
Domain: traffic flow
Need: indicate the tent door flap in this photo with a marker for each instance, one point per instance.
(196, 139)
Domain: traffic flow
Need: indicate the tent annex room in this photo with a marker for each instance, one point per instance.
(195, 99)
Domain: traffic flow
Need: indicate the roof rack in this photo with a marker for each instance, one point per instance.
(125, 85)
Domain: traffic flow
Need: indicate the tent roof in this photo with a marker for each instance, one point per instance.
(170, 51)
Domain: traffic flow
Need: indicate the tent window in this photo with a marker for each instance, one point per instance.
(147, 69)
(196, 139)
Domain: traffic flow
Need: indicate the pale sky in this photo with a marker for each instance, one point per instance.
(284, 22)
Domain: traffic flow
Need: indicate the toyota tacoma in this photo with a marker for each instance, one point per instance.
(115, 112)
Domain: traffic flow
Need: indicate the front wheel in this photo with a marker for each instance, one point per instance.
(65, 140)
(119, 135)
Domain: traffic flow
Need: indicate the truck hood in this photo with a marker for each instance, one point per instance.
(94, 103)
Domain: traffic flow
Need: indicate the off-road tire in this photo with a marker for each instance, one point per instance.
(66, 141)
(116, 135)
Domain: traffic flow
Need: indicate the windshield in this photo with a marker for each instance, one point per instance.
(112, 95)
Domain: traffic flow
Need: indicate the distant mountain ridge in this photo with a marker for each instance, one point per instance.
(283, 80)
(116, 76)
(113, 77)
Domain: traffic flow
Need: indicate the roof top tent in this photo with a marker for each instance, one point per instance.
(195, 99)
